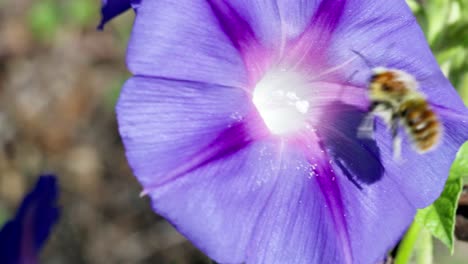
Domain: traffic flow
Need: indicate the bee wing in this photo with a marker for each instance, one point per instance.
(366, 128)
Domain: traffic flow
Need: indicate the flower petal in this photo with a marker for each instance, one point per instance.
(263, 204)
(23, 237)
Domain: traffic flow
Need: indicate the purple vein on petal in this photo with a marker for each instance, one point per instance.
(231, 140)
(328, 182)
(242, 37)
(449, 112)
(314, 40)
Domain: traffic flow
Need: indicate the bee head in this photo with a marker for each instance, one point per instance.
(386, 85)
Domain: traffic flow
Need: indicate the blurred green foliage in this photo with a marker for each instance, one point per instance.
(439, 218)
(114, 92)
(45, 17)
(82, 12)
(3, 216)
(445, 24)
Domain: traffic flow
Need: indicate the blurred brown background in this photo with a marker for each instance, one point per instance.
(59, 81)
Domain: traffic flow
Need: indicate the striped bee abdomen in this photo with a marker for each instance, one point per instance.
(421, 124)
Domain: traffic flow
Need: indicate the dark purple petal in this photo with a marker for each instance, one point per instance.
(113, 8)
(22, 238)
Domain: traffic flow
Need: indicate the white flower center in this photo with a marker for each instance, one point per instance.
(280, 99)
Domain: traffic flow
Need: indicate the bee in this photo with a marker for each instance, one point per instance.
(396, 99)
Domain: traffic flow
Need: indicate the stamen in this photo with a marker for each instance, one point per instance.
(280, 98)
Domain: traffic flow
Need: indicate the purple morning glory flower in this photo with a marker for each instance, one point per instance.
(113, 8)
(241, 124)
(22, 237)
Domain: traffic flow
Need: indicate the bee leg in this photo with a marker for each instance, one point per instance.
(396, 138)
(366, 128)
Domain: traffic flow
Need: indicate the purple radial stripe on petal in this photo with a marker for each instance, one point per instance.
(263, 205)
(377, 215)
(217, 206)
(303, 220)
(243, 38)
(295, 17)
(229, 142)
(183, 40)
(369, 191)
(275, 22)
(267, 198)
(311, 46)
(327, 17)
(169, 123)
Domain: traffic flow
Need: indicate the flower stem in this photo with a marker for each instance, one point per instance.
(406, 247)
(424, 248)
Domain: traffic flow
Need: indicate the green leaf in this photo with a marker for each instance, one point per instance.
(439, 218)
(460, 165)
(453, 35)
